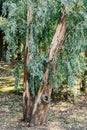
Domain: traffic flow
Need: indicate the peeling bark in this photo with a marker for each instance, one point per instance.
(1, 45)
(36, 108)
(26, 94)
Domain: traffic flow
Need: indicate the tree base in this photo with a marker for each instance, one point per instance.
(35, 109)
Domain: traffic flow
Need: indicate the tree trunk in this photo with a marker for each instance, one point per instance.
(26, 94)
(85, 75)
(35, 107)
(1, 45)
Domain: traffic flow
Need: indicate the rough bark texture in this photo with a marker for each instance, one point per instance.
(1, 45)
(85, 74)
(35, 108)
(26, 94)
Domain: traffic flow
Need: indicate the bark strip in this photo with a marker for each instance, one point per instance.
(26, 94)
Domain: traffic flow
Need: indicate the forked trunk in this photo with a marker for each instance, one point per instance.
(35, 108)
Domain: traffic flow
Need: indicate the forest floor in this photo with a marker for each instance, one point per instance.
(63, 115)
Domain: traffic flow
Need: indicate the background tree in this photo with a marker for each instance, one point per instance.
(34, 23)
(3, 44)
(1, 34)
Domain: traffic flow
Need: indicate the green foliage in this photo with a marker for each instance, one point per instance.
(14, 25)
(70, 65)
(41, 31)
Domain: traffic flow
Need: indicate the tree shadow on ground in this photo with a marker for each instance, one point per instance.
(62, 115)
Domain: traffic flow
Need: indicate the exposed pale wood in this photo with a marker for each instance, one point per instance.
(58, 37)
(26, 94)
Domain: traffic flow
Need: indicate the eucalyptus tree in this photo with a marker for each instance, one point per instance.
(53, 36)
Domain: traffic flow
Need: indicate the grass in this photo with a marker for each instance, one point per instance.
(7, 80)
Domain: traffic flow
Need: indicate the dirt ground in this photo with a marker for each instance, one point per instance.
(62, 115)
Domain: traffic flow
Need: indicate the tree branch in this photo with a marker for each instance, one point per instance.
(56, 43)
(58, 37)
